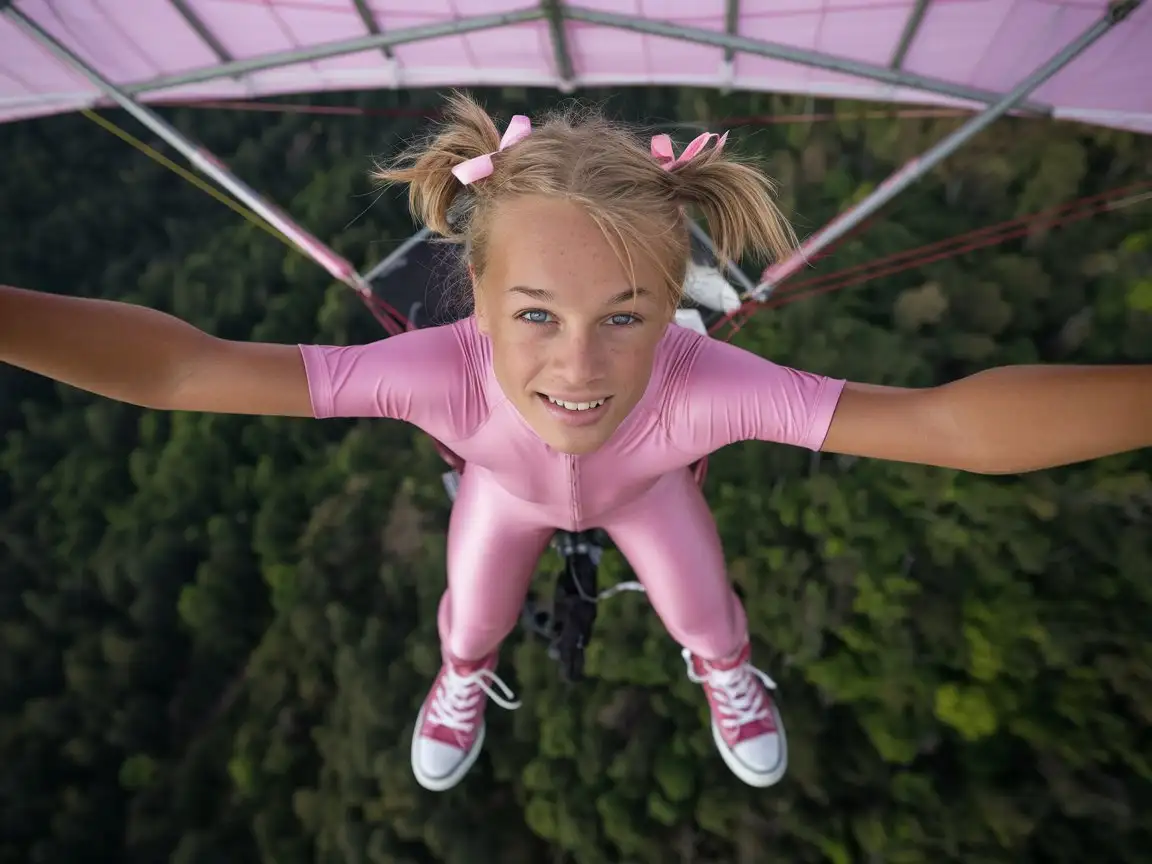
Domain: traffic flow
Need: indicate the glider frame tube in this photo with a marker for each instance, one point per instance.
(201, 159)
(555, 12)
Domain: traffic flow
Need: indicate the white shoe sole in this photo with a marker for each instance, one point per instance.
(760, 780)
(442, 784)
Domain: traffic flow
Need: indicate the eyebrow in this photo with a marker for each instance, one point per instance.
(547, 296)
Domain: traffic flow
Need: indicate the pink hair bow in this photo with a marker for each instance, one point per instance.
(480, 167)
(664, 153)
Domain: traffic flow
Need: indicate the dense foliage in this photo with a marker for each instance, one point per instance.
(216, 631)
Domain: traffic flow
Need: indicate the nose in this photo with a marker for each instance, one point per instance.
(579, 358)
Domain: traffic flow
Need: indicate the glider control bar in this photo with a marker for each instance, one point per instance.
(918, 167)
(204, 161)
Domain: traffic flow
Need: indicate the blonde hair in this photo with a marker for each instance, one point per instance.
(601, 165)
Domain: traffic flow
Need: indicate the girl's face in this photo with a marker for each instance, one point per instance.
(573, 339)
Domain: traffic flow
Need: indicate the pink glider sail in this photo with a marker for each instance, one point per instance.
(946, 52)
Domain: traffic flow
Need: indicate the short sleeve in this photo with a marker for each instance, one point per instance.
(429, 378)
(729, 394)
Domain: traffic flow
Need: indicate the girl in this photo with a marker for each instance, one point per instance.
(576, 402)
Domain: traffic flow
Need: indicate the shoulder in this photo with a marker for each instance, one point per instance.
(434, 378)
(676, 354)
(691, 360)
(717, 393)
(432, 353)
(475, 349)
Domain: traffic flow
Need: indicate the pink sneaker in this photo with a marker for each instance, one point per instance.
(449, 732)
(746, 724)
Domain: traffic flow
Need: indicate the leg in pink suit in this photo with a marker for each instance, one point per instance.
(670, 540)
(667, 535)
(494, 544)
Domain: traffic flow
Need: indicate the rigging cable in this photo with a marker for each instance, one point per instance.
(929, 253)
(387, 316)
(393, 322)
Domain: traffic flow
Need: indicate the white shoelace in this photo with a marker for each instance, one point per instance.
(458, 698)
(738, 699)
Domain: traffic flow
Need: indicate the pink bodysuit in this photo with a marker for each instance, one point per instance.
(516, 491)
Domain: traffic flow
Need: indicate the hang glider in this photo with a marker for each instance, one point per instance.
(1083, 60)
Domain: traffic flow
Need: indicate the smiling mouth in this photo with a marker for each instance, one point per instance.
(574, 406)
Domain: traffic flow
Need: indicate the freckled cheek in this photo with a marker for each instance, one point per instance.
(627, 365)
(524, 362)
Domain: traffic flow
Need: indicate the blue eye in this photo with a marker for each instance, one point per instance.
(528, 314)
(628, 319)
(539, 316)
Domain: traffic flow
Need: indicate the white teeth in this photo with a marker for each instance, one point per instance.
(577, 406)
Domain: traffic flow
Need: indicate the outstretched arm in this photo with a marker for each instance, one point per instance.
(148, 358)
(1006, 420)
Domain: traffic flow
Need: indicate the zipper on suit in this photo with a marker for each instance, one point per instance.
(574, 491)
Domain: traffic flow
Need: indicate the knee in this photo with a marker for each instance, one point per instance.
(473, 636)
(709, 630)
